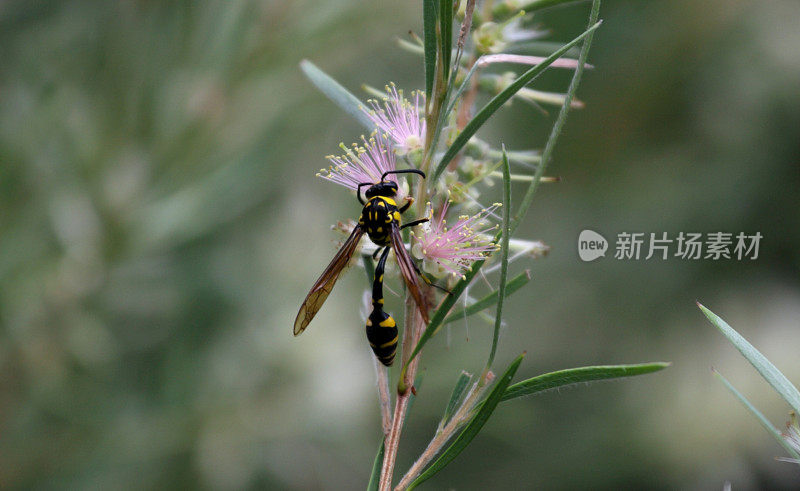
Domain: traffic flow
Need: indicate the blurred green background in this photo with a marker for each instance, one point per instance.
(160, 223)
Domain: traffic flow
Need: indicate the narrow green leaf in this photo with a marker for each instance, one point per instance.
(336, 93)
(375, 476)
(512, 286)
(501, 290)
(493, 105)
(761, 418)
(446, 31)
(473, 427)
(767, 370)
(429, 37)
(455, 397)
(578, 375)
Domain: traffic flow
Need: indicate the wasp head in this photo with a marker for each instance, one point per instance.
(383, 188)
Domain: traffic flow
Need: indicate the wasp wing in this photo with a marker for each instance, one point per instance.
(409, 271)
(323, 286)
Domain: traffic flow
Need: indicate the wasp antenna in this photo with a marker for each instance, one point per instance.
(403, 171)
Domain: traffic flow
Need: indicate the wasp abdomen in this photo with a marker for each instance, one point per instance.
(382, 335)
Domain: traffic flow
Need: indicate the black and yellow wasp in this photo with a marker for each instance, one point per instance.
(381, 221)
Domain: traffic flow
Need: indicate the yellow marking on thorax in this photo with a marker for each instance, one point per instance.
(382, 199)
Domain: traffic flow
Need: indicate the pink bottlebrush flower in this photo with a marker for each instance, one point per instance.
(399, 118)
(359, 164)
(453, 250)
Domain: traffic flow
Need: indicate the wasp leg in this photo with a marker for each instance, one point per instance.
(429, 282)
(375, 254)
(403, 208)
(415, 222)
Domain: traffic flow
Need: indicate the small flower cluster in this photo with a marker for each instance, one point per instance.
(398, 118)
(399, 132)
(361, 163)
(451, 251)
